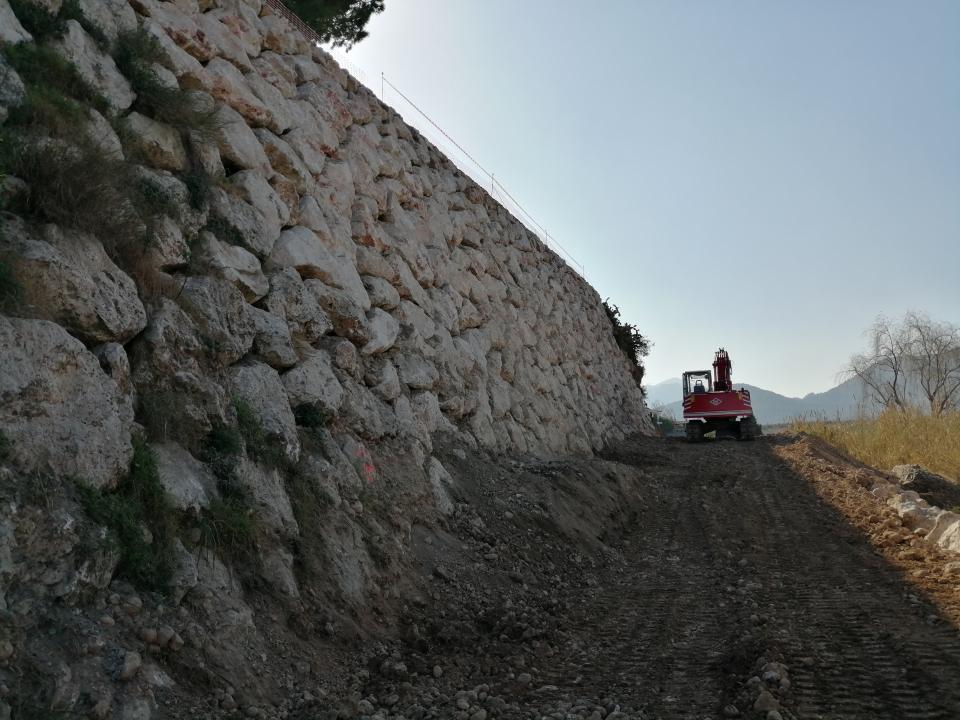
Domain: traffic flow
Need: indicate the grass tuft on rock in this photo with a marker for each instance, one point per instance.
(38, 20)
(11, 292)
(6, 447)
(74, 185)
(259, 445)
(199, 184)
(224, 230)
(135, 52)
(44, 25)
(40, 66)
(229, 527)
(48, 108)
(140, 520)
(221, 450)
(310, 416)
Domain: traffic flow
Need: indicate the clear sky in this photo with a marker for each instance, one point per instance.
(764, 175)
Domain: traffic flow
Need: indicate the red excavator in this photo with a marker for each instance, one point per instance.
(710, 404)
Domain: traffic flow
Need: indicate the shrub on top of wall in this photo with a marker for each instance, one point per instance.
(628, 338)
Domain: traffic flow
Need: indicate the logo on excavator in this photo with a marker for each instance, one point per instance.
(716, 401)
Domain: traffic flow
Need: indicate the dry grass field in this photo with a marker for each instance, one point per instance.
(895, 438)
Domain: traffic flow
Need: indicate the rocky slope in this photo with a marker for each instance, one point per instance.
(230, 369)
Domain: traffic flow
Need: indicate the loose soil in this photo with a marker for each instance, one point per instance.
(673, 580)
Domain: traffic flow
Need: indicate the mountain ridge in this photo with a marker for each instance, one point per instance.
(841, 402)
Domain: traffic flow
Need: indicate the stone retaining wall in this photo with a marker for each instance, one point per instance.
(361, 271)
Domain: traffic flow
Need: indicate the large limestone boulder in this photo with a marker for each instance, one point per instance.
(227, 84)
(416, 372)
(95, 66)
(154, 143)
(269, 498)
(227, 44)
(242, 19)
(178, 399)
(273, 342)
(382, 377)
(59, 410)
(222, 317)
(276, 567)
(260, 387)
(243, 221)
(188, 482)
(946, 532)
(346, 311)
(382, 294)
(285, 160)
(250, 186)
(382, 330)
(234, 264)
(313, 382)
(189, 218)
(111, 16)
(440, 486)
(280, 120)
(100, 132)
(310, 148)
(184, 575)
(181, 28)
(364, 413)
(280, 37)
(115, 363)
(290, 299)
(237, 143)
(278, 71)
(313, 258)
(167, 248)
(187, 69)
(66, 276)
(12, 88)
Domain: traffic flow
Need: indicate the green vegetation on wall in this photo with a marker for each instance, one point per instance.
(634, 345)
(140, 520)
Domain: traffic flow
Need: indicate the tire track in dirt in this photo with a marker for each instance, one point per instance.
(738, 557)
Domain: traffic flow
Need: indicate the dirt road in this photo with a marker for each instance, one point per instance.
(738, 558)
(725, 576)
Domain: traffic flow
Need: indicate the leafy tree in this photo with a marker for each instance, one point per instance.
(340, 22)
(634, 345)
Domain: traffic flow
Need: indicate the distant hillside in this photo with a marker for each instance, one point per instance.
(843, 401)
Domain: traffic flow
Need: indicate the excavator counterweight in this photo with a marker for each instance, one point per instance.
(711, 404)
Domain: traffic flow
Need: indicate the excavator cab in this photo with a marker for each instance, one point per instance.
(697, 381)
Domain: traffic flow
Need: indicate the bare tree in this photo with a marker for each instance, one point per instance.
(936, 353)
(882, 368)
(917, 356)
